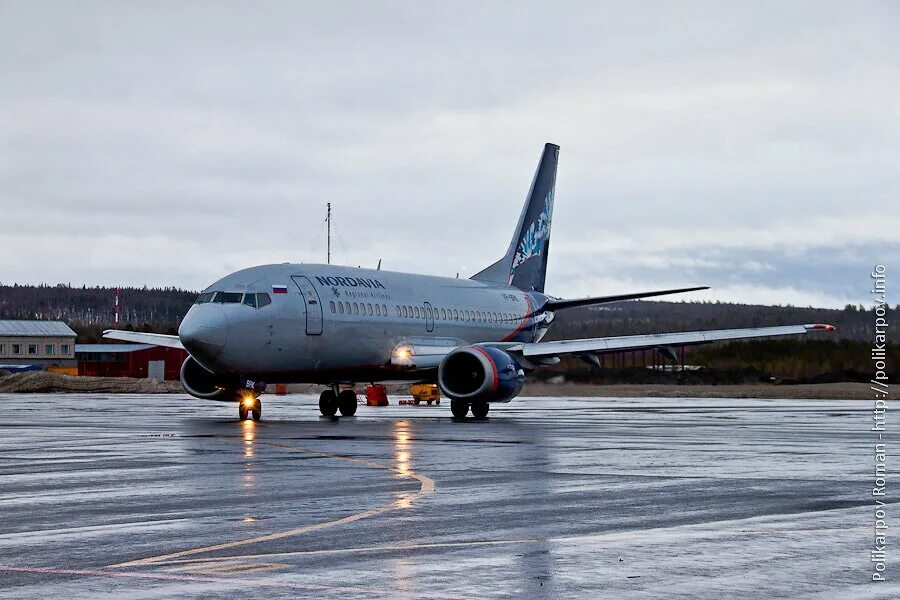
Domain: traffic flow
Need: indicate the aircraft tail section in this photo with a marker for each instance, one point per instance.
(525, 262)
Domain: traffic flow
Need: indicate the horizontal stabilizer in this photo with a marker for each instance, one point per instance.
(155, 339)
(560, 304)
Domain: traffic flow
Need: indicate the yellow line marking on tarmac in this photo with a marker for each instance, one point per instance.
(387, 548)
(426, 487)
(556, 539)
(227, 567)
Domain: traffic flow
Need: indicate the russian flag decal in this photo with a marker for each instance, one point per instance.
(279, 289)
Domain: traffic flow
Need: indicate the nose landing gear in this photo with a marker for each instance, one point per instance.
(250, 407)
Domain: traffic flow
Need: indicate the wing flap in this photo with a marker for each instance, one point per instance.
(156, 339)
(637, 342)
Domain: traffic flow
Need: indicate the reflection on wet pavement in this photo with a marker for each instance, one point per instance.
(549, 497)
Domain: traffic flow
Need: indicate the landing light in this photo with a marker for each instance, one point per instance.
(247, 401)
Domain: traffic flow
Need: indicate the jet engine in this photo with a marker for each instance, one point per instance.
(200, 383)
(480, 374)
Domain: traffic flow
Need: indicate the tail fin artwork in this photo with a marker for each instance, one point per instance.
(525, 262)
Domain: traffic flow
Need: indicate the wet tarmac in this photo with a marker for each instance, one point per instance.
(161, 497)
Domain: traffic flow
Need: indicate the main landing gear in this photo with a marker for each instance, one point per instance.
(250, 407)
(460, 408)
(334, 400)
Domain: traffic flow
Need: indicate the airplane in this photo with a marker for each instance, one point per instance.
(475, 338)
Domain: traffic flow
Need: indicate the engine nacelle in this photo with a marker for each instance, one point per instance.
(200, 383)
(480, 374)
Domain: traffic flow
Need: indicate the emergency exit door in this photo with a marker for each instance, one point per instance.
(313, 307)
(429, 317)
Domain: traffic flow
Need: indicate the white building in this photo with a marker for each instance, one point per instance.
(43, 343)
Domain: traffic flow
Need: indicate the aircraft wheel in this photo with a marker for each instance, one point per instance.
(480, 409)
(256, 410)
(459, 408)
(242, 412)
(347, 402)
(328, 403)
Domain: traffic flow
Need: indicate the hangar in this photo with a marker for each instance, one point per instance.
(141, 361)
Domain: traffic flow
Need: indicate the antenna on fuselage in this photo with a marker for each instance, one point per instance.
(328, 227)
(379, 265)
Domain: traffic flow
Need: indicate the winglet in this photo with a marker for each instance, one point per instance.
(820, 327)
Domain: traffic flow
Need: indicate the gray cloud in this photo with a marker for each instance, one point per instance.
(751, 148)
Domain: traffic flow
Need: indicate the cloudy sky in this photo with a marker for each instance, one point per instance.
(753, 149)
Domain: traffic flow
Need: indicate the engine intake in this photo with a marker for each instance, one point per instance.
(200, 383)
(480, 374)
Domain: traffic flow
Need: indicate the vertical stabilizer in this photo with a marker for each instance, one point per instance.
(525, 262)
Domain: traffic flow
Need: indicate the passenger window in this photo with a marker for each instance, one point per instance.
(262, 299)
(428, 312)
(250, 300)
(416, 311)
(347, 307)
(456, 314)
(399, 314)
(355, 308)
(369, 309)
(204, 298)
(403, 311)
(332, 306)
(377, 310)
(384, 310)
(341, 307)
(410, 311)
(443, 314)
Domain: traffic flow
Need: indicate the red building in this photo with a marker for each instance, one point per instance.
(141, 361)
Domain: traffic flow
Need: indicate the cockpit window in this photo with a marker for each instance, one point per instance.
(228, 297)
(250, 300)
(262, 299)
(204, 298)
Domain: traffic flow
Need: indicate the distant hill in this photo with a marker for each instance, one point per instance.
(627, 318)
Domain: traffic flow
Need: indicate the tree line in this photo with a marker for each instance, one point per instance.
(90, 310)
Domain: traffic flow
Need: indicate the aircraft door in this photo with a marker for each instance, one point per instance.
(313, 305)
(429, 317)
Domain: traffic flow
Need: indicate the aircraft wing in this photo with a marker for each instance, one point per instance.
(156, 339)
(656, 340)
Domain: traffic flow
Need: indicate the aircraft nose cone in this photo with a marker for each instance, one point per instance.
(203, 332)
